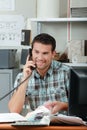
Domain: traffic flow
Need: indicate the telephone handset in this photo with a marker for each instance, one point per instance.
(30, 58)
(30, 54)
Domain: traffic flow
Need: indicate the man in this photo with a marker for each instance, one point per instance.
(47, 84)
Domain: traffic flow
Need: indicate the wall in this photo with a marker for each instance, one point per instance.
(28, 8)
(57, 30)
(25, 7)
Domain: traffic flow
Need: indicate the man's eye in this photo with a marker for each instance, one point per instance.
(45, 53)
(36, 52)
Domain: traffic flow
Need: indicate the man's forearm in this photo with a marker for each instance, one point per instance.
(17, 100)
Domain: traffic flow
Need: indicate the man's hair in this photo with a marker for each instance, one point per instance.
(45, 39)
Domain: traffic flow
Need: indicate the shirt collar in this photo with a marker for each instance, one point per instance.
(49, 72)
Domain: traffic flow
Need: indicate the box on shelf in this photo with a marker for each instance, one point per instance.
(7, 58)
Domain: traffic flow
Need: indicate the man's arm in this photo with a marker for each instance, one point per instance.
(17, 100)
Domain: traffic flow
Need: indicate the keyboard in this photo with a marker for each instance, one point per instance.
(28, 123)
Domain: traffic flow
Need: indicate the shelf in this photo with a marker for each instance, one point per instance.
(56, 20)
(63, 29)
(14, 47)
(59, 19)
(76, 64)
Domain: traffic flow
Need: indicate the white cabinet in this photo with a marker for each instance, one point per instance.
(55, 9)
(7, 77)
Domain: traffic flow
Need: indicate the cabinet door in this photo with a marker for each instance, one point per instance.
(5, 87)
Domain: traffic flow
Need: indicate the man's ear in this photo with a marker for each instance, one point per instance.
(54, 53)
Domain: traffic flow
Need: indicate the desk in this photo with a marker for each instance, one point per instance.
(9, 127)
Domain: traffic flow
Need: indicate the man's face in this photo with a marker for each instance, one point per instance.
(42, 55)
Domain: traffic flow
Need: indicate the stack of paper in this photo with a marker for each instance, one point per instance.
(69, 120)
(41, 118)
(11, 117)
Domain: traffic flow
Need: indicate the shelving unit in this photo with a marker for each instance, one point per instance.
(63, 29)
(58, 19)
(77, 65)
(43, 20)
(14, 47)
(66, 28)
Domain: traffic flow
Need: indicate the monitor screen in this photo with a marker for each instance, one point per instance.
(78, 93)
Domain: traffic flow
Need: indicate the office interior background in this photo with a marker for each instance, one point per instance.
(50, 10)
(66, 20)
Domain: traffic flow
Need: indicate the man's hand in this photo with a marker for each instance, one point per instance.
(56, 106)
(27, 71)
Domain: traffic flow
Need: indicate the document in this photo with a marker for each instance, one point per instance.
(41, 116)
(68, 120)
(11, 117)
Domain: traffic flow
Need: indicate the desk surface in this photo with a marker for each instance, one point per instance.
(9, 127)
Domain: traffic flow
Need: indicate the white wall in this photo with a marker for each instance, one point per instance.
(28, 8)
(57, 30)
(25, 7)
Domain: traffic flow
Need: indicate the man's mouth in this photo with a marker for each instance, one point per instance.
(39, 63)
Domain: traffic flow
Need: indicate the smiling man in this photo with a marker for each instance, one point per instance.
(47, 84)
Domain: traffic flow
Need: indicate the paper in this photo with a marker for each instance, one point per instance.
(10, 29)
(11, 117)
(41, 116)
(69, 120)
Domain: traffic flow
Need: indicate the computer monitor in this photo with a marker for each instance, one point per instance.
(78, 93)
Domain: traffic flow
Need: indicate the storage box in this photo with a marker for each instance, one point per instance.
(7, 58)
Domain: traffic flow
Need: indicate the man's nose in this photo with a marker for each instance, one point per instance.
(40, 56)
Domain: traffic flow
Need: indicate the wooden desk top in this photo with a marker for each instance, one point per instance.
(9, 127)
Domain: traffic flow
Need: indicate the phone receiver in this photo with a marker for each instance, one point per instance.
(30, 58)
(30, 54)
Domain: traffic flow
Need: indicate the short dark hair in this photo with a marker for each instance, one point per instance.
(46, 39)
